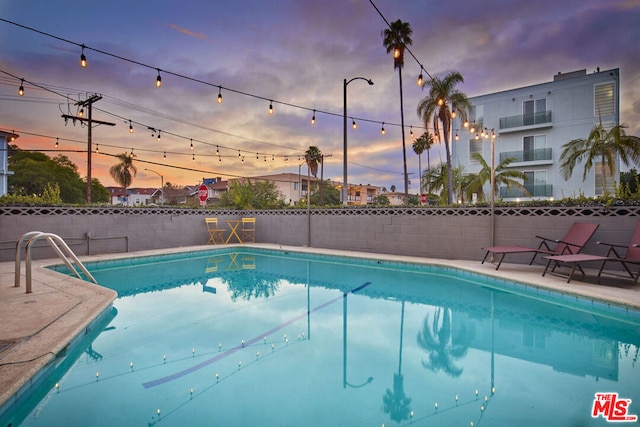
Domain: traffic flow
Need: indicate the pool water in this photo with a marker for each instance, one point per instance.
(269, 338)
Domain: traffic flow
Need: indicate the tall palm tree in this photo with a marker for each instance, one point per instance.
(502, 175)
(440, 105)
(438, 180)
(312, 157)
(396, 39)
(420, 145)
(601, 144)
(123, 172)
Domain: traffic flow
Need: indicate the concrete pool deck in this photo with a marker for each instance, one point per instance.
(36, 327)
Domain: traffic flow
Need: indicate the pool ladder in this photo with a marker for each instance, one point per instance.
(58, 245)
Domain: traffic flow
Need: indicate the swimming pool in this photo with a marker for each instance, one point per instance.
(249, 337)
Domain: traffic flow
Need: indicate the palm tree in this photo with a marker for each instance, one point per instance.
(312, 156)
(440, 105)
(502, 175)
(601, 144)
(420, 145)
(123, 172)
(438, 180)
(396, 39)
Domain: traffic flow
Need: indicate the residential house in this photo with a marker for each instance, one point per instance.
(133, 196)
(532, 123)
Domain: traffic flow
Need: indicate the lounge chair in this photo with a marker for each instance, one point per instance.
(572, 243)
(631, 256)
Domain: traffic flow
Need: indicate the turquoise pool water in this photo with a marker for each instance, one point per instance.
(269, 338)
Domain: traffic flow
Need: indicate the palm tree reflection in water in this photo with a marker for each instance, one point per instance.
(437, 340)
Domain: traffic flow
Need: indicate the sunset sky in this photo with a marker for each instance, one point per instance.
(294, 54)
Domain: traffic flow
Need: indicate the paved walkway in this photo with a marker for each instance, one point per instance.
(37, 326)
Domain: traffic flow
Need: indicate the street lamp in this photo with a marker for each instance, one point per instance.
(161, 184)
(344, 148)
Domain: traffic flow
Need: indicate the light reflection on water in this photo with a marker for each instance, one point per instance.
(272, 339)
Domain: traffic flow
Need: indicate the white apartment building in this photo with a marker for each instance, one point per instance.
(532, 124)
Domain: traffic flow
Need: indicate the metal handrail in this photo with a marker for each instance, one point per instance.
(55, 242)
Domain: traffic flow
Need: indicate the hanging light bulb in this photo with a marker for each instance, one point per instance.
(56, 143)
(313, 119)
(353, 124)
(193, 157)
(453, 113)
(465, 124)
(164, 154)
(158, 135)
(420, 78)
(191, 146)
(81, 112)
(457, 137)
(256, 156)
(273, 157)
(396, 52)
(219, 94)
(21, 88)
(239, 154)
(131, 154)
(130, 127)
(158, 79)
(270, 107)
(440, 101)
(97, 148)
(493, 134)
(382, 131)
(83, 59)
(265, 158)
(411, 132)
(217, 150)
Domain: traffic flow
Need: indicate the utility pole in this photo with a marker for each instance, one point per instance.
(88, 103)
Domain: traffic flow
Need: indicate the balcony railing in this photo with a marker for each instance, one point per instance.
(538, 118)
(539, 190)
(528, 155)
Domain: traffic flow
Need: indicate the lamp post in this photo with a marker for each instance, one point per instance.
(161, 184)
(344, 148)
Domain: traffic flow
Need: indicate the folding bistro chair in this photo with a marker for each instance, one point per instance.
(216, 234)
(248, 230)
(572, 243)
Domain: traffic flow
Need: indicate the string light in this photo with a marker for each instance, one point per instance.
(130, 127)
(158, 135)
(158, 79)
(411, 132)
(217, 150)
(313, 119)
(270, 107)
(382, 131)
(81, 112)
(420, 78)
(164, 154)
(56, 146)
(193, 157)
(457, 137)
(97, 148)
(396, 53)
(219, 94)
(21, 88)
(191, 146)
(354, 124)
(83, 59)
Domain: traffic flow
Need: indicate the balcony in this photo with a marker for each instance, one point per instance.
(535, 120)
(538, 190)
(542, 155)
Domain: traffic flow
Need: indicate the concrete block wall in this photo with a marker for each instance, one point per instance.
(428, 232)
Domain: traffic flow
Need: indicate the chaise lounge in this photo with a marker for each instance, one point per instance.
(572, 243)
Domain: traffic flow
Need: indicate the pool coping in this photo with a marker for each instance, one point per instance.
(39, 326)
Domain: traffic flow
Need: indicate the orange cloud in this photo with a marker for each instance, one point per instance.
(188, 32)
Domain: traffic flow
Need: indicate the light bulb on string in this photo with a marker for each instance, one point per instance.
(382, 131)
(313, 118)
(56, 146)
(191, 146)
(97, 148)
(354, 124)
(158, 79)
(83, 59)
(411, 132)
(158, 135)
(217, 150)
(219, 94)
(193, 157)
(396, 53)
(453, 113)
(130, 127)
(81, 112)
(21, 88)
(270, 107)
(420, 78)
(164, 155)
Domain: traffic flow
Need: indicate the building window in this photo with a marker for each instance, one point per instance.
(531, 145)
(475, 146)
(531, 108)
(296, 186)
(536, 183)
(604, 100)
